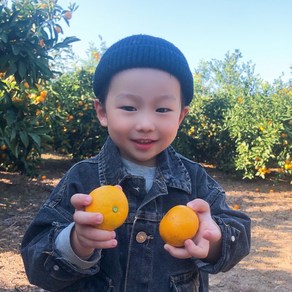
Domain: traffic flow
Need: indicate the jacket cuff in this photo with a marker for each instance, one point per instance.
(230, 236)
(63, 246)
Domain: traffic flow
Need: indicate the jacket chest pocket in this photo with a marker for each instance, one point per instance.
(185, 282)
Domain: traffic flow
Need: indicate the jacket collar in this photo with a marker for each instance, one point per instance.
(169, 165)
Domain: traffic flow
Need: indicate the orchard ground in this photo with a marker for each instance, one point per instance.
(267, 202)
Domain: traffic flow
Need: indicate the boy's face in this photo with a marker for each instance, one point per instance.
(142, 112)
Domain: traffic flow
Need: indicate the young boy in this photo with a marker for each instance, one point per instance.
(144, 86)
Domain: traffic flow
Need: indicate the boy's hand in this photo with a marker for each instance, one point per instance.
(207, 242)
(85, 237)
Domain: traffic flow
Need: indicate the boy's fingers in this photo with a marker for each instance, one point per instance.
(189, 250)
(106, 244)
(199, 251)
(87, 218)
(97, 238)
(212, 235)
(79, 201)
(103, 244)
(98, 234)
(199, 205)
(179, 253)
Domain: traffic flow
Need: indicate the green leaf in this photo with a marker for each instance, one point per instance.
(24, 138)
(2, 86)
(15, 50)
(4, 38)
(11, 69)
(3, 62)
(36, 138)
(14, 16)
(47, 138)
(66, 42)
(21, 69)
(14, 148)
(13, 134)
(11, 116)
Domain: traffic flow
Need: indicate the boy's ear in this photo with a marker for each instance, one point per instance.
(183, 113)
(100, 112)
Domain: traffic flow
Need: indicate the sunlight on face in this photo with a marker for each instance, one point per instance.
(142, 113)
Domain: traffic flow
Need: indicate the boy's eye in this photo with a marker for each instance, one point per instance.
(163, 110)
(128, 108)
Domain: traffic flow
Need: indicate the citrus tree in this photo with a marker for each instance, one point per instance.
(238, 122)
(29, 33)
(261, 127)
(218, 84)
(70, 112)
(74, 127)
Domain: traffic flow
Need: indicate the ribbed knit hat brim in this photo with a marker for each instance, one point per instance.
(143, 51)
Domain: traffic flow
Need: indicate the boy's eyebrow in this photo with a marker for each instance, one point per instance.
(166, 96)
(134, 96)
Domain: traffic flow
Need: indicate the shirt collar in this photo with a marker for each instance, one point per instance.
(173, 170)
(169, 164)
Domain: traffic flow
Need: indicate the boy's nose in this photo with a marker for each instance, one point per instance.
(145, 124)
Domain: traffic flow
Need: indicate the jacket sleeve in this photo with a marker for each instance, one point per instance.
(44, 264)
(235, 226)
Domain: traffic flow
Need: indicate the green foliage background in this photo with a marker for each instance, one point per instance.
(237, 121)
(29, 34)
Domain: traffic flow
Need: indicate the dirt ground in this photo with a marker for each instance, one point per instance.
(268, 203)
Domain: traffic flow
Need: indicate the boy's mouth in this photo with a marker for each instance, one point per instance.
(143, 144)
(143, 141)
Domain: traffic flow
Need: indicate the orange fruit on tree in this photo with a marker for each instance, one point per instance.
(112, 203)
(43, 93)
(42, 43)
(40, 99)
(179, 224)
(43, 6)
(57, 29)
(3, 147)
(96, 55)
(68, 15)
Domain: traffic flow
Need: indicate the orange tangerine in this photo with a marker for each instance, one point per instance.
(179, 224)
(68, 15)
(112, 203)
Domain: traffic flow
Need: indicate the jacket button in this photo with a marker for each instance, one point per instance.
(141, 237)
(56, 268)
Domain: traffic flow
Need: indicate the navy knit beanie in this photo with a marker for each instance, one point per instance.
(143, 51)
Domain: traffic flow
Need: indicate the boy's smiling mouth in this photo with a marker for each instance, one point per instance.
(143, 144)
(143, 141)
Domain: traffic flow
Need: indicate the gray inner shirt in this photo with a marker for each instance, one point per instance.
(148, 172)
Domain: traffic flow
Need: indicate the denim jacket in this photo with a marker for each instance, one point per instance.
(139, 262)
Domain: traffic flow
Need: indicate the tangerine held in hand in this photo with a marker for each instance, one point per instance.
(112, 203)
(178, 224)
